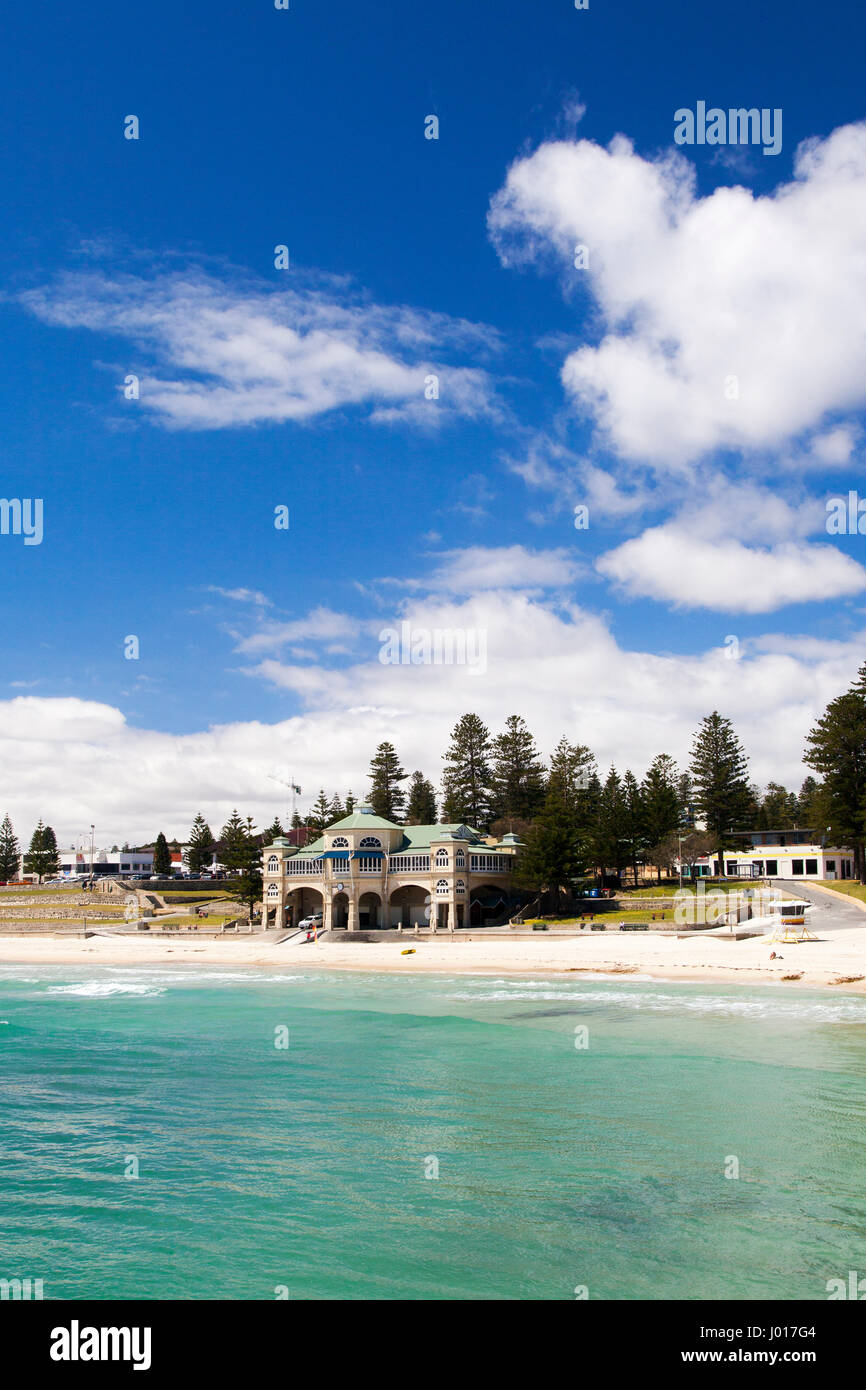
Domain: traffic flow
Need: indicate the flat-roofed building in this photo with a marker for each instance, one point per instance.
(794, 853)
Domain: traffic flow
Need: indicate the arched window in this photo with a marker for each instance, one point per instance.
(273, 865)
(442, 887)
(370, 842)
(273, 890)
(441, 859)
(460, 886)
(339, 842)
(460, 861)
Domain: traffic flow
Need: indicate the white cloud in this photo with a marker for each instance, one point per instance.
(321, 625)
(504, 567)
(218, 354)
(673, 564)
(241, 595)
(75, 762)
(834, 449)
(692, 291)
(743, 550)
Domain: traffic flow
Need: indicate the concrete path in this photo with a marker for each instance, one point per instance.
(828, 912)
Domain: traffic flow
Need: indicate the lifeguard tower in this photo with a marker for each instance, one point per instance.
(790, 921)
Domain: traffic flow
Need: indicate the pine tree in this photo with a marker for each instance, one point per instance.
(421, 806)
(551, 858)
(516, 772)
(201, 845)
(51, 849)
(336, 811)
(161, 856)
(387, 796)
(232, 848)
(9, 852)
(571, 769)
(775, 809)
(661, 803)
(240, 851)
(611, 835)
(808, 815)
(719, 771)
(466, 780)
(351, 802)
(320, 812)
(634, 821)
(836, 748)
(274, 831)
(686, 799)
(42, 858)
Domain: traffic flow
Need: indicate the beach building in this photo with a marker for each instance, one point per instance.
(105, 862)
(366, 872)
(776, 854)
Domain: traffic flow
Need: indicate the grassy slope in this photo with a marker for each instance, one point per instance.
(213, 919)
(853, 890)
(610, 918)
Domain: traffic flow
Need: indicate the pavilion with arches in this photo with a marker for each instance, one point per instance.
(368, 873)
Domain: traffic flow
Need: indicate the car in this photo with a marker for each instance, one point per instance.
(206, 875)
(309, 923)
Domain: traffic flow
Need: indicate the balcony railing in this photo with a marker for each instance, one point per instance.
(409, 863)
(308, 868)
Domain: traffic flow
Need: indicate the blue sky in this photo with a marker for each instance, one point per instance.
(259, 648)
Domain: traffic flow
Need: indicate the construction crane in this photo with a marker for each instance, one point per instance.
(293, 791)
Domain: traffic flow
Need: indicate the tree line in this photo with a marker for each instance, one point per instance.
(571, 819)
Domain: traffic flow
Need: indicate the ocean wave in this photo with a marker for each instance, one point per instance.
(94, 989)
(847, 1010)
(207, 977)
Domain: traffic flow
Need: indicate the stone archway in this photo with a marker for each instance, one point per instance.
(302, 902)
(410, 906)
(486, 903)
(340, 911)
(369, 910)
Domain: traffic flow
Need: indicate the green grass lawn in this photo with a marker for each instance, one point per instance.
(213, 919)
(668, 890)
(612, 918)
(852, 889)
(194, 895)
(44, 892)
(50, 923)
(649, 890)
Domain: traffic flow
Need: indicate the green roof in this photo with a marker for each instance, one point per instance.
(363, 820)
(417, 838)
(308, 851)
(420, 837)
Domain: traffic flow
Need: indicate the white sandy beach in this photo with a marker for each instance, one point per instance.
(838, 955)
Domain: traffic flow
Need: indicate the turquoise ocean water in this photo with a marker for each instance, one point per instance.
(304, 1168)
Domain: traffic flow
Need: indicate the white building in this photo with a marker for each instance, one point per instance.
(776, 854)
(105, 862)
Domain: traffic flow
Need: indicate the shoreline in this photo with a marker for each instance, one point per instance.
(828, 963)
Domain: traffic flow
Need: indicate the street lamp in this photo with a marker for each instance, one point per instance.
(91, 857)
(680, 839)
